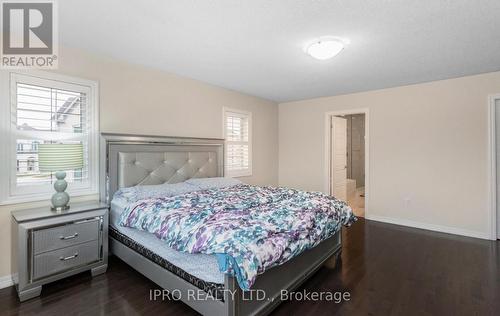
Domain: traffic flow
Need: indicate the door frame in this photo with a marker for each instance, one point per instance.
(492, 168)
(328, 150)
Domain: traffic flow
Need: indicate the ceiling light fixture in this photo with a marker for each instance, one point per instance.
(325, 47)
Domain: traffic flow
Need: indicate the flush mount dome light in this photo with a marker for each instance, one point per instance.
(325, 47)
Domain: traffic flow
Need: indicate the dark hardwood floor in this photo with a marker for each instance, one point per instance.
(388, 270)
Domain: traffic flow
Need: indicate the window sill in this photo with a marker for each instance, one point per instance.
(43, 197)
(239, 174)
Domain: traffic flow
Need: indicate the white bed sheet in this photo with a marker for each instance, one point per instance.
(202, 266)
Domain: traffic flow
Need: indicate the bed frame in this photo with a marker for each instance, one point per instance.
(139, 160)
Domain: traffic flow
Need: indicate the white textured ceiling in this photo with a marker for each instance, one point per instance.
(256, 46)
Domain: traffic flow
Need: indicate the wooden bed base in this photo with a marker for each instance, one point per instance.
(236, 302)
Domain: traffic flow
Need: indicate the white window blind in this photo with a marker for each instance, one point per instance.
(238, 129)
(42, 111)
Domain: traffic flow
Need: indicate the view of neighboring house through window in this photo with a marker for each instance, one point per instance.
(49, 111)
(45, 109)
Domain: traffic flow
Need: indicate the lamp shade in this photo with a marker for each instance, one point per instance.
(60, 157)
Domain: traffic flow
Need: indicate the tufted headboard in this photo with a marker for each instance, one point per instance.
(131, 160)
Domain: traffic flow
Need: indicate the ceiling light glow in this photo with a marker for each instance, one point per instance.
(325, 48)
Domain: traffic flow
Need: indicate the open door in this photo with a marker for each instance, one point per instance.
(338, 167)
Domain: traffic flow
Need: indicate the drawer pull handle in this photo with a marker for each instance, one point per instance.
(69, 258)
(69, 237)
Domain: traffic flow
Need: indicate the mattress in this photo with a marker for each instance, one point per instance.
(200, 270)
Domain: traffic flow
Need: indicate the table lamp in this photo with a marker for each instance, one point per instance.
(58, 158)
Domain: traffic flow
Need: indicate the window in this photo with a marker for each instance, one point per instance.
(238, 135)
(47, 108)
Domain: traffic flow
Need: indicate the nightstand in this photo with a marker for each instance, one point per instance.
(48, 246)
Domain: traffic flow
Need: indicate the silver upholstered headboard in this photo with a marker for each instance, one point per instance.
(144, 160)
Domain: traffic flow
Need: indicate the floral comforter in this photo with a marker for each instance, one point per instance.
(249, 228)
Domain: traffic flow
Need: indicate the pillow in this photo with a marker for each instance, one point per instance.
(154, 191)
(213, 183)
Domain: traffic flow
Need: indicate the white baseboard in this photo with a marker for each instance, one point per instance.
(6, 281)
(432, 227)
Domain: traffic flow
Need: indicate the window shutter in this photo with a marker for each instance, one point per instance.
(47, 115)
(238, 143)
(49, 111)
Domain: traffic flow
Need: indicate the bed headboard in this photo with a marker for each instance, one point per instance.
(131, 160)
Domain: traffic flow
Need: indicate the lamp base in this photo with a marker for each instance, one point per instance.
(60, 199)
(59, 209)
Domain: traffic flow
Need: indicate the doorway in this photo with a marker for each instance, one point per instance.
(348, 158)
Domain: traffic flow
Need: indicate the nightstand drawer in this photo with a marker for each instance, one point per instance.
(64, 236)
(64, 259)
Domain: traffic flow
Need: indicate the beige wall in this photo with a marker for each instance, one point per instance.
(138, 100)
(428, 144)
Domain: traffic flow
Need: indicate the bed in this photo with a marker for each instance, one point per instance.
(194, 278)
